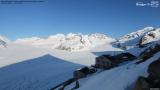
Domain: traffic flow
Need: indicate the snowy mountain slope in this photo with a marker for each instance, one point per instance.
(136, 34)
(151, 37)
(70, 42)
(41, 73)
(139, 40)
(133, 39)
(120, 78)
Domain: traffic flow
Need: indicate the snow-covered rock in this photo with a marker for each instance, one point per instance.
(136, 34)
(69, 42)
(139, 38)
(150, 37)
(3, 41)
(79, 42)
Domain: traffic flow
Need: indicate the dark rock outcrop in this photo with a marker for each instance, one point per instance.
(154, 71)
(149, 52)
(141, 84)
(153, 79)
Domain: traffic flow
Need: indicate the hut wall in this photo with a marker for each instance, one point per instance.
(103, 63)
(78, 74)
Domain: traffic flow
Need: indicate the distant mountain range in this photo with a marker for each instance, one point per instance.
(80, 42)
(69, 42)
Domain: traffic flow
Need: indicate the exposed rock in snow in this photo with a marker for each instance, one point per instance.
(77, 42)
(151, 49)
(135, 34)
(152, 80)
(150, 37)
(3, 41)
(139, 38)
(69, 42)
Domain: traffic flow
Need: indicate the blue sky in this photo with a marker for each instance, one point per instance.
(111, 17)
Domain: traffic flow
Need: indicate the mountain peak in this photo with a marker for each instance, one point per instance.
(139, 38)
(69, 42)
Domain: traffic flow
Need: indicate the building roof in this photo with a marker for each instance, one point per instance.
(84, 70)
(116, 57)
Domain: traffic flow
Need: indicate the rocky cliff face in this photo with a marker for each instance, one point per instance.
(150, 37)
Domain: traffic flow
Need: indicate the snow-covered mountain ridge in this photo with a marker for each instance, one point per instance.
(80, 42)
(151, 36)
(139, 38)
(69, 42)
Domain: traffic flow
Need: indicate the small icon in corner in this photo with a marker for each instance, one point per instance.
(150, 4)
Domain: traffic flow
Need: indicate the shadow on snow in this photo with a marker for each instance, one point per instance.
(40, 73)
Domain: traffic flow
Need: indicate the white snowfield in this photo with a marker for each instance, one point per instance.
(120, 78)
(40, 73)
(28, 68)
(25, 67)
(42, 63)
(14, 53)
